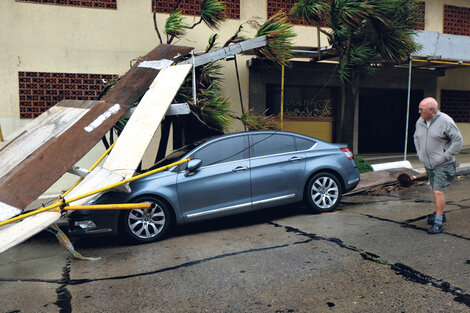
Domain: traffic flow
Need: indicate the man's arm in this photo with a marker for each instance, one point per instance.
(455, 138)
(415, 137)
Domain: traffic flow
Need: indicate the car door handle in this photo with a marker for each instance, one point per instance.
(295, 158)
(240, 168)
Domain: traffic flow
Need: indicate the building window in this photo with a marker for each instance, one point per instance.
(275, 6)
(192, 7)
(456, 103)
(105, 4)
(39, 91)
(456, 20)
(301, 101)
(421, 11)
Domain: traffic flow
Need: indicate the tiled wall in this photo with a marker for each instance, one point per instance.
(39, 91)
(456, 103)
(456, 20)
(421, 11)
(192, 7)
(105, 4)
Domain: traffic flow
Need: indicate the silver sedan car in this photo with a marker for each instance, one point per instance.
(229, 174)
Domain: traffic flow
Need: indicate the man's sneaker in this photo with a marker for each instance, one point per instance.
(433, 216)
(435, 229)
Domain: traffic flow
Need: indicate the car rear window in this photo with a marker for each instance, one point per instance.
(303, 143)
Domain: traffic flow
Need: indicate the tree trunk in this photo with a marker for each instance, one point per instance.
(347, 116)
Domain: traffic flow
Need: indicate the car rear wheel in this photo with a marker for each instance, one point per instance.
(146, 225)
(323, 192)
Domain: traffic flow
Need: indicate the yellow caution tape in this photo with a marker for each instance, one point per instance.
(67, 244)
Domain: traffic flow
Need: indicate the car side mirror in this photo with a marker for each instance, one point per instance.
(193, 165)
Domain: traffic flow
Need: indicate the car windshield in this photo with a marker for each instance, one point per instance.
(176, 155)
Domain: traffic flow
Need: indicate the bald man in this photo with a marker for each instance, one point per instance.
(437, 140)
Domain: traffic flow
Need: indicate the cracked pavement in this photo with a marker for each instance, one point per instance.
(371, 255)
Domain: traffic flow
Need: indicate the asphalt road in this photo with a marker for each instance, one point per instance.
(371, 255)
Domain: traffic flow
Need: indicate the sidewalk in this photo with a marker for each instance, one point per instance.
(463, 159)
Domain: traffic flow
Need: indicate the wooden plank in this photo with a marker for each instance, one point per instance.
(40, 170)
(12, 235)
(31, 226)
(137, 134)
(37, 133)
(36, 173)
(143, 124)
(59, 108)
(174, 109)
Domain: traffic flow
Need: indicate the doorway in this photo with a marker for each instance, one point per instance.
(382, 120)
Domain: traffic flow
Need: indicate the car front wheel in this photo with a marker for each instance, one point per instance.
(146, 225)
(323, 192)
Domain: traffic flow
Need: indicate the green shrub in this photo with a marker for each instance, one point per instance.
(363, 165)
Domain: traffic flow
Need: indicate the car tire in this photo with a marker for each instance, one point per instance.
(146, 225)
(323, 192)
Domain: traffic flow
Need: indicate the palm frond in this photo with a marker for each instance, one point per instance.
(210, 73)
(279, 34)
(351, 12)
(174, 25)
(312, 11)
(215, 107)
(257, 122)
(213, 13)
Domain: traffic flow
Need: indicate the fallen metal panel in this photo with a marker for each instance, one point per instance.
(46, 164)
(123, 160)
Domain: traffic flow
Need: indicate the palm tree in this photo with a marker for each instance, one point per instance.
(313, 12)
(364, 33)
(211, 109)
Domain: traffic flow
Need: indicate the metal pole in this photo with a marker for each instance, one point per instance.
(194, 78)
(282, 97)
(408, 107)
(239, 87)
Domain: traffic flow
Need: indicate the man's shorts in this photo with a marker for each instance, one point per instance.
(441, 176)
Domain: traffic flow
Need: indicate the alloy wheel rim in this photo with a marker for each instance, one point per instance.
(146, 223)
(324, 192)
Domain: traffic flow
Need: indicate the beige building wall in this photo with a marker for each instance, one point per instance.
(455, 79)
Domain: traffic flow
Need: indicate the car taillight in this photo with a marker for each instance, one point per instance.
(348, 153)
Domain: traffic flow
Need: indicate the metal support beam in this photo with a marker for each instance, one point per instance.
(408, 108)
(229, 51)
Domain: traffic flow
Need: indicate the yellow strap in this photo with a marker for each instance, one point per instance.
(67, 244)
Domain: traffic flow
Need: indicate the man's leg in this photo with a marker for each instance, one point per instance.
(440, 201)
